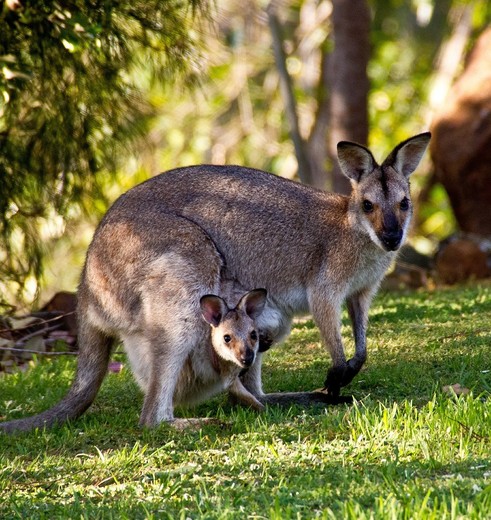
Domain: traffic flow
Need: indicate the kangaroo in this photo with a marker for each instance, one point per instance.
(231, 348)
(189, 229)
(195, 347)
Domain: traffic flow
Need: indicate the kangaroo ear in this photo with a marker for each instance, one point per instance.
(213, 309)
(405, 157)
(253, 302)
(355, 160)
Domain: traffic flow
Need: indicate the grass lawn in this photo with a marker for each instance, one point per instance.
(405, 449)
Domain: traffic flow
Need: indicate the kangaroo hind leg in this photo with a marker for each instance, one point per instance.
(168, 356)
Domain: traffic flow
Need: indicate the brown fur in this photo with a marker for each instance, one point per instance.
(167, 242)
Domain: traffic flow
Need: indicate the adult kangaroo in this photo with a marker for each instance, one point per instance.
(190, 229)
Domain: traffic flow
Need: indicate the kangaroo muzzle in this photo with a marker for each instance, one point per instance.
(247, 358)
(392, 233)
(391, 240)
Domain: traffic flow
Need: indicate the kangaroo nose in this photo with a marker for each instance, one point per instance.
(247, 358)
(391, 239)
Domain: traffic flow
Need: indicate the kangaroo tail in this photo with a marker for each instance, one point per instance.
(93, 360)
(304, 399)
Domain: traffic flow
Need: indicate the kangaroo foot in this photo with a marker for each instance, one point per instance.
(253, 404)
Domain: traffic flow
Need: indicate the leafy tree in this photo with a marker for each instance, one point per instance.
(246, 117)
(69, 104)
(238, 115)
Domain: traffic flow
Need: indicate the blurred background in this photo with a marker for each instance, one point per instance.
(98, 96)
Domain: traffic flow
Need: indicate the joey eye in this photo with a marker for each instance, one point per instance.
(404, 204)
(367, 206)
(227, 338)
(254, 335)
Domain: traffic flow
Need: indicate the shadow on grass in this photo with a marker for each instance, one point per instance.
(293, 486)
(397, 369)
(395, 379)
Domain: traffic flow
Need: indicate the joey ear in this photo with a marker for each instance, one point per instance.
(213, 309)
(406, 156)
(355, 160)
(253, 302)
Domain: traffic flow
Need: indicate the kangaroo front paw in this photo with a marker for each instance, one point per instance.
(333, 381)
(352, 368)
(340, 376)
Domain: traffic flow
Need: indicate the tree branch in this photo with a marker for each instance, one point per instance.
(304, 169)
(39, 353)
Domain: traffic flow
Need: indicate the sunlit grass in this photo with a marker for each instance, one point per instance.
(404, 449)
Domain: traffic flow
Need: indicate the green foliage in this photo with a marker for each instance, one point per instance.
(239, 116)
(69, 104)
(405, 449)
(86, 110)
(407, 43)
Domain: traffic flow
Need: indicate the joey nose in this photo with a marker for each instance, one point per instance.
(391, 239)
(247, 358)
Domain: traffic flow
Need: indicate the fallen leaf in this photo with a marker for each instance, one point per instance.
(22, 323)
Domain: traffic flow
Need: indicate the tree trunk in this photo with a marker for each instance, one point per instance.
(461, 143)
(342, 112)
(348, 83)
(317, 143)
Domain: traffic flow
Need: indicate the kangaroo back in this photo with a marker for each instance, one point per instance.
(249, 214)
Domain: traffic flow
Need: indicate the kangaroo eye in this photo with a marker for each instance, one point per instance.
(367, 206)
(404, 205)
(227, 338)
(254, 335)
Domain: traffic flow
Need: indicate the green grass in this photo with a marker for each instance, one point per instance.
(404, 450)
